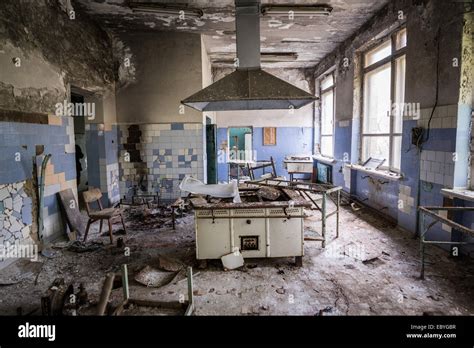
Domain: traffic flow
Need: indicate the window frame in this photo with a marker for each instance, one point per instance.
(392, 60)
(322, 91)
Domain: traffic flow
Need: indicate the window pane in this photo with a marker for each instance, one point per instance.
(399, 95)
(327, 113)
(396, 152)
(376, 147)
(327, 146)
(327, 82)
(378, 53)
(377, 100)
(401, 39)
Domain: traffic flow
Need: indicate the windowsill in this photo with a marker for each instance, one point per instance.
(376, 172)
(463, 194)
(323, 159)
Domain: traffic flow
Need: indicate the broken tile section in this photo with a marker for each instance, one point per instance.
(15, 214)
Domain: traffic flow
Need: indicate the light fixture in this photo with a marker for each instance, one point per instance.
(166, 10)
(296, 10)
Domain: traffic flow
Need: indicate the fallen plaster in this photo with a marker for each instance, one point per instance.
(372, 269)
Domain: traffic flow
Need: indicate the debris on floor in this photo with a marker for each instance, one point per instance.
(82, 247)
(154, 278)
(16, 272)
(232, 261)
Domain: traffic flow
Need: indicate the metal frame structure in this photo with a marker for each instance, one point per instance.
(433, 213)
(304, 189)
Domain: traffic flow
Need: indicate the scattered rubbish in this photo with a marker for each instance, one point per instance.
(19, 271)
(373, 262)
(169, 264)
(52, 303)
(81, 247)
(264, 308)
(154, 278)
(135, 303)
(355, 207)
(281, 291)
(433, 298)
(349, 266)
(105, 293)
(269, 193)
(198, 292)
(251, 266)
(321, 312)
(120, 232)
(48, 253)
(120, 243)
(280, 271)
(192, 185)
(233, 260)
(82, 295)
(211, 290)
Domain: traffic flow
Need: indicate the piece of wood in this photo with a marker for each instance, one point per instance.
(105, 294)
(70, 207)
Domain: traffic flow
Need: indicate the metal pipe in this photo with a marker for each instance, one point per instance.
(422, 245)
(323, 224)
(337, 215)
(41, 185)
(126, 291)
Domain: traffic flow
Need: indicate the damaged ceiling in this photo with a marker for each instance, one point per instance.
(298, 43)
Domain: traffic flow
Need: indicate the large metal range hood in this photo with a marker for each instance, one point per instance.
(249, 87)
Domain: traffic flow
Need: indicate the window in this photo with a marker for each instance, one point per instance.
(383, 101)
(327, 116)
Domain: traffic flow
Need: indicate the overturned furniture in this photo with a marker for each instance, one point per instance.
(253, 167)
(434, 214)
(257, 227)
(317, 195)
(187, 306)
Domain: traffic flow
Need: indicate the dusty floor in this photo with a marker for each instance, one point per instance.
(372, 269)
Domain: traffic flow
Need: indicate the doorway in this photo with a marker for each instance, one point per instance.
(80, 140)
(211, 151)
(240, 149)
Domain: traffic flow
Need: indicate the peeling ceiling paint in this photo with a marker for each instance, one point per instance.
(309, 39)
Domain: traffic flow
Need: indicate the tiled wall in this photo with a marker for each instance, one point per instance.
(102, 161)
(159, 156)
(437, 167)
(15, 214)
(17, 150)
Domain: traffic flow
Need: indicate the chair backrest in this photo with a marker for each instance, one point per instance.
(92, 195)
(262, 165)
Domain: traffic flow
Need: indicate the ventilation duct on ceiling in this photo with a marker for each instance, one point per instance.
(249, 87)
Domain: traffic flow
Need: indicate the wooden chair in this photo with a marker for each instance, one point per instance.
(94, 195)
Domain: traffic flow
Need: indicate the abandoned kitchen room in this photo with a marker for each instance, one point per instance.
(236, 157)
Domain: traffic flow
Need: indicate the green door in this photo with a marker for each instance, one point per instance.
(211, 152)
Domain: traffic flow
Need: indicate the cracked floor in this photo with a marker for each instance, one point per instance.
(372, 269)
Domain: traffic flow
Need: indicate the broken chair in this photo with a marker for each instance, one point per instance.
(262, 165)
(94, 195)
